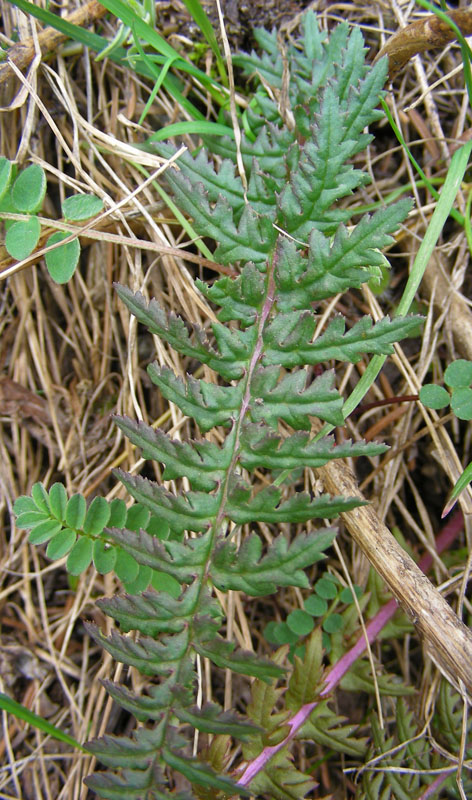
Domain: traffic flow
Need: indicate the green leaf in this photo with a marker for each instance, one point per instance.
(248, 570)
(40, 497)
(137, 517)
(434, 396)
(76, 509)
(266, 506)
(141, 581)
(80, 557)
(249, 240)
(79, 207)
(60, 544)
(22, 237)
(62, 261)
(126, 566)
(165, 583)
(461, 403)
(224, 655)
(458, 373)
(118, 513)
(44, 531)
(210, 719)
(333, 623)
(335, 266)
(149, 656)
(316, 606)
(333, 732)
(201, 774)
(203, 463)
(346, 594)
(182, 561)
(192, 512)
(25, 503)
(289, 338)
(240, 298)
(98, 514)
(261, 447)
(208, 403)
(29, 189)
(58, 501)
(300, 622)
(31, 519)
(305, 682)
(152, 612)
(290, 400)
(326, 588)
(6, 174)
(235, 347)
(104, 556)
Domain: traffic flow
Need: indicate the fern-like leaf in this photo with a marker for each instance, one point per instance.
(286, 233)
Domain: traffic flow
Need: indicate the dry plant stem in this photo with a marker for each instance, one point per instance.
(426, 33)
(446, 639)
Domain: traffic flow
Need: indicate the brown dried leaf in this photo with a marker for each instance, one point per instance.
(426, 33)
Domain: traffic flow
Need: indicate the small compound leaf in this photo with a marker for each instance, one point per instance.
(62, 261)
(28, 191)
(22, 237)
(81, 206)
(80, 556)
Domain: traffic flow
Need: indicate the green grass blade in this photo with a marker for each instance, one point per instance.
(20, 712)
(195, 8)
(196, 127)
